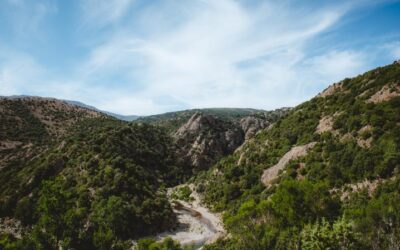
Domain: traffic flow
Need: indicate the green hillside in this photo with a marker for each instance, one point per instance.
(341, 193)
(97, 185)
(97, 188)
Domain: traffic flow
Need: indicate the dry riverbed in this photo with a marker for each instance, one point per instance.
(197, 224)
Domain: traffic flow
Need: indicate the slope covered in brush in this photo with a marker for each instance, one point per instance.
(326, 175)
(96, 185)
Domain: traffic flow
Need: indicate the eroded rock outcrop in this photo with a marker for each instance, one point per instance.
(331, 90)
(251, 125)
(270, 174)
(204, 138)
(386, 93)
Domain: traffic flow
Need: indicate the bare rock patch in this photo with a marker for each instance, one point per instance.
(385, 94)
(325, 124)
(270, 174)
(331, 90)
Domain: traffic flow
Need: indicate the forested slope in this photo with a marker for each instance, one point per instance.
(97, 185)
(338, 186)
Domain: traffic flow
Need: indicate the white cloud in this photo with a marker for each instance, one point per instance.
(98, 13)
(393, 49)
(27, 17)
(18, 73)
(220, 54)
(195, 54)
(337, 64)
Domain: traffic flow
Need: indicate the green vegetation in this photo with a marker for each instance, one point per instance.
(182, 193)
(377, 217)
(100, 187)
(166, 244)
(302, 209)
(19, 124)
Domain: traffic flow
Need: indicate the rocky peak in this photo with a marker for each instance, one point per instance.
(250, 125)
(203, 139)
(197, 122)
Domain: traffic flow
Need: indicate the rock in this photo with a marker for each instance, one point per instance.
(331, 90)
(251, 125)
(203, 139)
(270, 174)
(386, 93)
(325, 124)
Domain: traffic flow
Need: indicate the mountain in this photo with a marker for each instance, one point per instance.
(326, 176)
(79, 104)
(127, 118)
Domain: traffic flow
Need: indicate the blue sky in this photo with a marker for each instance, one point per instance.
(146, 57)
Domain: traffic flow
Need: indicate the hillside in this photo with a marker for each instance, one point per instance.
(326, 175)
(39, 117)
(65, 168)
(127, 118)
(29, 124)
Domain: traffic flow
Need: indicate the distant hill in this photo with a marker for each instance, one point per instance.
(21, 116)
(80, 104)
(128, 118)
(173, 120)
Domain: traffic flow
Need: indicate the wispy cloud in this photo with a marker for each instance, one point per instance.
(146, 57)
(26, 17)
(97, 13)
(393, 49)
(18, 72)
(221, 54)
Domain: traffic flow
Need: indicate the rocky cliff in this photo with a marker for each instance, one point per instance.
(205, 138)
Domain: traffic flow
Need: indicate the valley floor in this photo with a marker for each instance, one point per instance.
(197, 224)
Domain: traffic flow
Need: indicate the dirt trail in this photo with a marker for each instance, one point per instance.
(197, 224)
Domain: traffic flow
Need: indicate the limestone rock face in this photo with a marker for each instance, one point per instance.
(251, 125)
(203, 139)
(270, 174)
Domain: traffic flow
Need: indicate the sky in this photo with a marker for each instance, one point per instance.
(142, 57)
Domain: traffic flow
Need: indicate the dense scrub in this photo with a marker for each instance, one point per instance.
(98, 188)
(305, 207)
